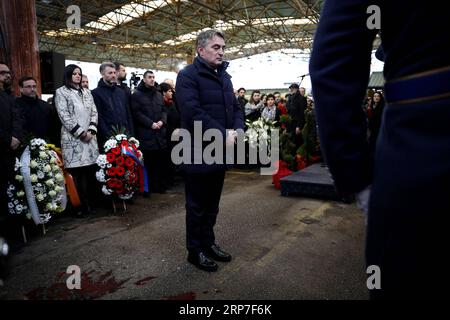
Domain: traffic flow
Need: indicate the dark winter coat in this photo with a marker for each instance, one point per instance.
(147, 108)
(173, 118)
(113, 110)
(207, 96)
(41, 119)
(11, 125)
(296, 108)
(242, 102)
(126, 89)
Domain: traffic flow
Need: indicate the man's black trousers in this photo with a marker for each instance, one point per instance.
(202, 206)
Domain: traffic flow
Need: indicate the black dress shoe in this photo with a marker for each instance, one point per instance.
(202, 262)
(214, 252)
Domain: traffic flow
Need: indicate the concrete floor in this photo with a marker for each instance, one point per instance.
(283, 248)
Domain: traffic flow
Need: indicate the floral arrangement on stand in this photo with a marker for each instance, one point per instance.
(38, 190)
(291, 158)
(122, 170)
(259, 130)
(309, 151)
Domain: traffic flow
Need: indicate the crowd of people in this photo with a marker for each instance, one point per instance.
(80, 121)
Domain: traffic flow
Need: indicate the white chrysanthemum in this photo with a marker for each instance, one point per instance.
(50, 183)
(134, 141)
(125, 196)
(33, 164)
(45, 218)
(59, 177)
(19, 178)
(43, 155)
(106, 191)
(111, 143)
(40, 197)
(40, 175)
(101, 161)
(121, 137)
(17, 165)
(20, 194)
(100, 175)
(34, 178)
(47, 168)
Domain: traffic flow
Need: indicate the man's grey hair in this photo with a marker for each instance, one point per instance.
(204, 36)
(106, 64)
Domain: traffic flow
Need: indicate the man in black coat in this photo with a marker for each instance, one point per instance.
(242, 100)
(11, 135)
(150, 118)
(406, 191)
(296, 107)
(121, 72)
(41, 119)
(112, 105)
(205, 95)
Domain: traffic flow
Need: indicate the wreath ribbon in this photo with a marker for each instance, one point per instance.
(143, 178)
(31, 199)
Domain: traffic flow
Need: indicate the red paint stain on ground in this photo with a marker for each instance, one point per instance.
(143, 281)
(94, 285)
(184, 296)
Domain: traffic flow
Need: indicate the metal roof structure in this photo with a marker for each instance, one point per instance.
(161, 34)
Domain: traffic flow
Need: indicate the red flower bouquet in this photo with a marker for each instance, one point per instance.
(122, 170)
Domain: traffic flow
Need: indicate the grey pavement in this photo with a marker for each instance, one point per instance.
(283, 248)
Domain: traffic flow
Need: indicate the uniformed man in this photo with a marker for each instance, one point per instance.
(409, 185)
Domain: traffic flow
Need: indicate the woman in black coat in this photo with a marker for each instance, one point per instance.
(375, 120)
(173, 123)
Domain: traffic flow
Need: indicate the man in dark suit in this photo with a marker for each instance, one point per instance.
(407, 189)
(205, 94)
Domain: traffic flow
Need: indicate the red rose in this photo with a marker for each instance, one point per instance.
(124, 143)
(120, 171)
(119, 184)
(111, 183)
(111, 172)
(116, 151)
(120, 161)
(110, 157)
(129, 162)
